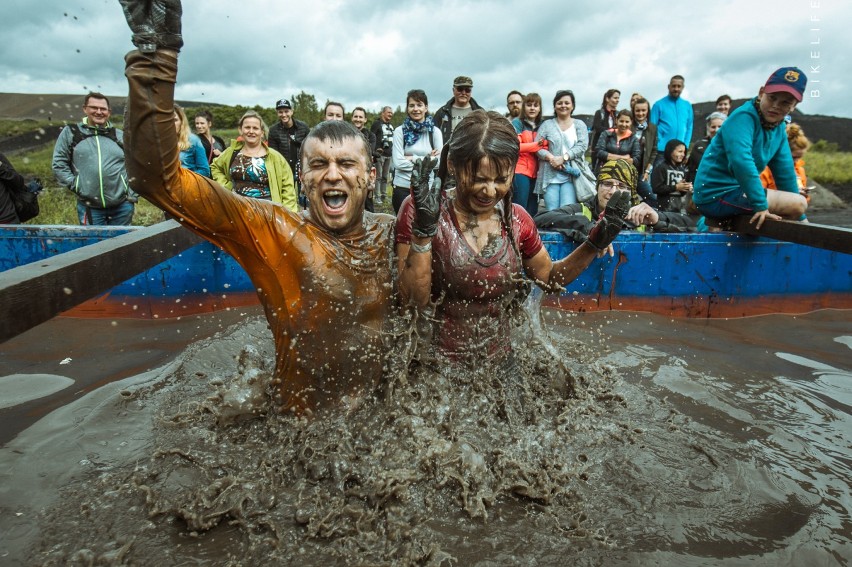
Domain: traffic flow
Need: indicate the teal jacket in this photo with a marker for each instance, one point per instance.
(280, 176)
(739, 151)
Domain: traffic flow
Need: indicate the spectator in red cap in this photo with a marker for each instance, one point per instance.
(754, 137)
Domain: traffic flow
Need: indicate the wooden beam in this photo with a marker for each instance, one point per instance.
(833, 238)
(36, 292)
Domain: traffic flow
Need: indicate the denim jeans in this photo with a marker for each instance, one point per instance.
(114, 216)
(559, 194)
(523, 195)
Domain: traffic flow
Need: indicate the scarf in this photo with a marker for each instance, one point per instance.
(411, 130)
(622, 171)
(763, 123)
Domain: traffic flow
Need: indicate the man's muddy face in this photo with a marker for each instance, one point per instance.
(336, 178)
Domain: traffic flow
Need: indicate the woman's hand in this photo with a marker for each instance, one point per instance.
(556, 161)
(684, 187)
(760, 216)
(427, 199)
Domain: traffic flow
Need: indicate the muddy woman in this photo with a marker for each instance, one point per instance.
(467, 257)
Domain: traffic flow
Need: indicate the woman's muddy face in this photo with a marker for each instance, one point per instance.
(479, 194)
(336, 178)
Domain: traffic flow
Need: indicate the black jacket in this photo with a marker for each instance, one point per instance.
(444, 117)
(10, 180)
(288, 141)
(608, 144)
(575, 221)
(384, 143)
(695, 156)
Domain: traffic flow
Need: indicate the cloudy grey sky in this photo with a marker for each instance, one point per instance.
(371, 52)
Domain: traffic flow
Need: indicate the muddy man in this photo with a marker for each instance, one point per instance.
(323, 276)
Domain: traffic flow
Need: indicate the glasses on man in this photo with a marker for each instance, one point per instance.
(101, 109)
(613, 184)
(463, 89)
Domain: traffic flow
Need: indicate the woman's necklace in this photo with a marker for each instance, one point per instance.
(257, 151)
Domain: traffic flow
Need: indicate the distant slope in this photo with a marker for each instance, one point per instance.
(59, 108)
(816, 126)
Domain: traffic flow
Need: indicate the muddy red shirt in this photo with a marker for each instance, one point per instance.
(474, 291)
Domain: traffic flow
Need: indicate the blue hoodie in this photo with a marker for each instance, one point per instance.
(739, 151)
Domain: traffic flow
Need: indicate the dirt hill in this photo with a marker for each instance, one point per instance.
(54, 109)
(59, 108)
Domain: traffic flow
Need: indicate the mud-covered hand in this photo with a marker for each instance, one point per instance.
(427, 198)
(611, 221)
(154, 23)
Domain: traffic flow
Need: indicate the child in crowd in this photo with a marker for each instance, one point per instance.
(799, 145)
(668, 179)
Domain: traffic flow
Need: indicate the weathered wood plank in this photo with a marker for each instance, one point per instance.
(833, 238)
(37, 292)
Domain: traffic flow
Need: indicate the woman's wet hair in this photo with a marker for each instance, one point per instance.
(483, 134)
(564, 92)
(417, 95)
(253, 114)
(338, 131)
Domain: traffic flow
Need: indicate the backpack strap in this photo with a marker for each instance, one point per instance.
(77, 136)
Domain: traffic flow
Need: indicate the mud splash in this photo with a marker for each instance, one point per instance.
(457, 466)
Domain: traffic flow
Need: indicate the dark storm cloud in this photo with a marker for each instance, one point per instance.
(370, 53)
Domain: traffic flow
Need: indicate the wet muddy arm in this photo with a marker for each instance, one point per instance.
(414, 268)
(550, 275)
(415, 272)
(153, 161)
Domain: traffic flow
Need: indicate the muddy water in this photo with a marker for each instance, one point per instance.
(687, 443)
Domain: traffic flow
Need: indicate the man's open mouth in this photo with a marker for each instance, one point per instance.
(335, 200)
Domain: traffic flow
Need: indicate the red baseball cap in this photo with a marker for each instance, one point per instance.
(787, 80)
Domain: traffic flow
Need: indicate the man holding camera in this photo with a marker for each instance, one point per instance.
(383, 130)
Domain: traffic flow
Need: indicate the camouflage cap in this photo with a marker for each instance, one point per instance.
(462, 81)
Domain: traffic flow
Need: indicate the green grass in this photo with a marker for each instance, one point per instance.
(15, 127)
(829, 168)
(57, 205)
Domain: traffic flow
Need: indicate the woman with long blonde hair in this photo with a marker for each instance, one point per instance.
(192, 154)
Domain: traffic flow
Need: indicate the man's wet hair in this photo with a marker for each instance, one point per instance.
(338, 131)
